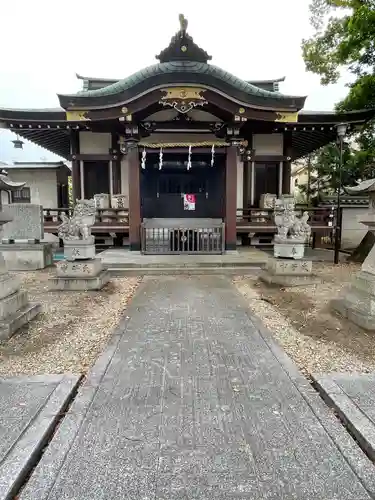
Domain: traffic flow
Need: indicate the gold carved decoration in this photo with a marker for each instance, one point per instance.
(183, 99)
(286, 117)
(76, 116)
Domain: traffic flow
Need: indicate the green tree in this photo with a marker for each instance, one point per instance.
(344, 37)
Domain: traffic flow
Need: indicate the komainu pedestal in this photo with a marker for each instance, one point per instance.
(80, 270)
(357, 303)
(287, 268)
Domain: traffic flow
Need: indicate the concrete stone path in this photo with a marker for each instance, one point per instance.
(29, 410)
(353, 398)
(193, 400)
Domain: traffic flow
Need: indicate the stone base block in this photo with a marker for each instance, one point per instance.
(9, 284)
(11, 304)
(349, 311)
(289, 267)
(291, 250)
(80, 284)
(288, 280)
(79, 268)
(14, 322)
(79, 249)
(27, 256)
(287, 272)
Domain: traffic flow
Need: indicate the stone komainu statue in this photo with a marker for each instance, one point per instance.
(78, 227)
(289, 226)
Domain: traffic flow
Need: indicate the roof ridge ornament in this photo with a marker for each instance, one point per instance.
(183, 24)
(182, 47)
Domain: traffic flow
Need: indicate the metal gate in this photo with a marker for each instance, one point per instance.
(165, 236)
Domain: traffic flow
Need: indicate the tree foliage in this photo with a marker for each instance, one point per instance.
(344, 38)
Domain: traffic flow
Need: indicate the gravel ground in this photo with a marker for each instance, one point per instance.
(72, 330)
(300, 319)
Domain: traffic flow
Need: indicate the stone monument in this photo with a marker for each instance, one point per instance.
(21, 244)
(80, 270)
(287, 267)
(15, 308)
(357, 303)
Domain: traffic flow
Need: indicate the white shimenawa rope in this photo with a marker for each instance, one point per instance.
(189, 159)
(160, 158)
(143, 163)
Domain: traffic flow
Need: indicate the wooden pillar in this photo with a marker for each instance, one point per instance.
(116, 165)
(287, 167)
(246, 184)
(231, 198)
(134, 200)
(76, 177)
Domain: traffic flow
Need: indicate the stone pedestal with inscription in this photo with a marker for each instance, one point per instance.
(80, 270)
(357, 303)
(288, 268)
(21, 244)
(288, 272)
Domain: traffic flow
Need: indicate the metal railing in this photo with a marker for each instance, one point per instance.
(178, 240)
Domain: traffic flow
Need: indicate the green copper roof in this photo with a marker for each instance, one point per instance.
(191, 67)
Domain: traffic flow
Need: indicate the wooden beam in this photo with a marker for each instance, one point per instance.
(94, 157)
(116, 165)
(287, 164)
(76, 177)
(134, 200)
(231, 198)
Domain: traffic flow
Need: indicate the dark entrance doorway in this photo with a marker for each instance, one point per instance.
(96, 178)
(162, 190)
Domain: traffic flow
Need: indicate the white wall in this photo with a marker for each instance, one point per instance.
(42, 184)
(94, 143)
(352, 230)
(268, 144)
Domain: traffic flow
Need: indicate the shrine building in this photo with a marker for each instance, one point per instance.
(180, 140)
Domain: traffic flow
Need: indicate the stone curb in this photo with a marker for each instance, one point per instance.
(43, 478)
(352, 453)
(361, 427)
(20, 460)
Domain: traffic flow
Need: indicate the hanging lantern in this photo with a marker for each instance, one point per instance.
(189, 159)
(212, 155)
(17, 143)
(143, 161)
(160, 158)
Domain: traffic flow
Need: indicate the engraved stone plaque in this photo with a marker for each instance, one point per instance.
(27, 223)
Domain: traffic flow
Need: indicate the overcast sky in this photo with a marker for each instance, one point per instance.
(46, 42)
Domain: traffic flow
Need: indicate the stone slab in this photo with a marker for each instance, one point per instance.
(9, 283)
(80, 284)
(193, 400)
(10, 305)
(29, 410)
(288, 280)
(353, 398)
(350, 311)
(13, 322)
(27, 257)
(79, 269)
(79, 249)
(27, 222)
